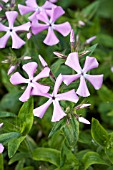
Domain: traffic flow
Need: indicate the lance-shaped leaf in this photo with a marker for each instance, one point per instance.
(99, 134)
(91, 158)
(25, 117)
(13, 145)
(6, 137)
(47, 155)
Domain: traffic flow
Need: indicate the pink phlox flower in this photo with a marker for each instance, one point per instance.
(54, 98)
(11, 31)
(30, 69)
(90, 63)
(63, 28)
(32, 6)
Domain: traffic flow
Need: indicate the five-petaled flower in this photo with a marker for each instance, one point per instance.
(90, 63)
(30, 69)
(11, 31)
(54, 98)
(63, 28)
(32, 6)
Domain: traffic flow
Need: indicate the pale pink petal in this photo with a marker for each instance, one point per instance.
(44, 73)
(43, 17)
(16, 78)
(95, 80)
(40, 111)
(5, 1)
(73, 61)
(33, 16)
(26, 95)
(1, 124)
(37, 92)
(56, 13)
(63, 29)
(39, 28)
(48, 5)
(58, 113)
(31, 3)
(0, 8)
(4, 39)
(67, 79)
(41, 88)
(90, 63)
(24, 27)
(82, 89)
(1, 148)
(11, 16)
(57, 84)
(3, 27)
(43, 62)
(51, 38)
(83, 120)
(30, 68)
(25, 9)
(68, 96)
(17, 42)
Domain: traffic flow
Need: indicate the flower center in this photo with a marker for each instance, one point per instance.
(53, 98)
(10, 30)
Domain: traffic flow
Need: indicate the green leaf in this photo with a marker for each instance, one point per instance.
(18, 157)
(20, 165)
(99, 134)
(6, 114)
(109, 148)
(48, 155)
(56, 66)
(68, 159)
(91, 158)
(57, 126)
(6, 137)
(71, 131)
(13, 145)
(1, 162)
(90, 10)
(28, 168)
(26, 116)
(91, 49)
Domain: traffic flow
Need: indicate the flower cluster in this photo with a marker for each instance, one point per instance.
(44, 18)
(47, 13)
(34, 88)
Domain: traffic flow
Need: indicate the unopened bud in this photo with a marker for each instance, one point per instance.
(1, 124)
(29, 35)
(112, 68)
(43, 62)
(72, 36)
(26, 58)
(88, 41)
(81, 106)
(83, 120)
(59, 55)
(81, 23)
(11, 69)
